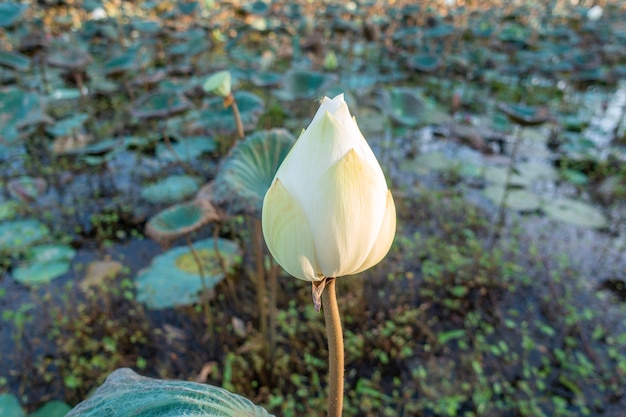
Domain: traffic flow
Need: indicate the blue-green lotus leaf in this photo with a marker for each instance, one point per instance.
(52, 408)
(423, 62)
(37, 273)
(215, 118)
(516, 199)
(18, 110)
(179, 220)
(246, 175)
(10, 12)
(406, 107)
(10, 406)
(68, 126)
(174, 278)
(186, 149)
(17, 235)
(126, 394)
(171, 189)
(50, 252)
(14, 61)
(132, 59)
(26, 188)
(524, 115)
(301, 84)
(160, 104)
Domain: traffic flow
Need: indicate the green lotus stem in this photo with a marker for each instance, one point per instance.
(509, 173)
(205, 289)
(260, 274)
(335, 349)
(237, 115)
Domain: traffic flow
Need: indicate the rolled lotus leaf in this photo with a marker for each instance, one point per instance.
(179, 220)
(247, 173)
(126, 394)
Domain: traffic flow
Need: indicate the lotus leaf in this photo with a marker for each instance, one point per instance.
(302, 84)
(40, 272)
(50, 252)
(520, 200)
(8, 210)
(10, 12)
(124, 394)
(179, 220)
(247, 173)
(575, 212)
(161, 104)
(53, 408)
(406, 107)
(186, 149)
(14, 61)
(174, 278)
(423, 62)
(26, 188)
(217, 119)
(68, 126)
(17, 235)
(19, 109)
(10, 406)
(171, 190)
(499, 175)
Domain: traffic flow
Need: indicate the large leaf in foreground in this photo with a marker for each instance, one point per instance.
(245, 176)
(126, 394)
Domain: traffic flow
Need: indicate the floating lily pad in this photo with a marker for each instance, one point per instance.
(40, 272)
(173, 278)
(159, 105)
(575, 212)
(17, 235)
(125, 393)
(186, 149)
(52, 408)
(26, 188)
(10, 12)
(171, 189)
(247, 173)
(179, 220)
(517, 199)
(10, 406)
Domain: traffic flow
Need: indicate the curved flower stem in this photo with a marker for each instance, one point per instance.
(335, 349)
(205, 289)
(238, 122)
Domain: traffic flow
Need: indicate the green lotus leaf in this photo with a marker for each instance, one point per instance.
(499, 175)
(40, 272)
(186, 149)
(10, 406)
(179, 220)
(406, 107)
(575, 212)
(69, 57)
(18, 235)
(132, 59)
(50, 252)
(246, 175)
(26, 188)
(301, 84)
(516, 199)
(191, 47)
(161, 104)
(266, 79)
(147, 26)
(18, 110)
(68, 126)
(125, 394)
(423, 62)
(215, 118)
(171, 189)
(52, 408)
(14, 61)
(175, 279)
(524, 115)
(10, 12)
